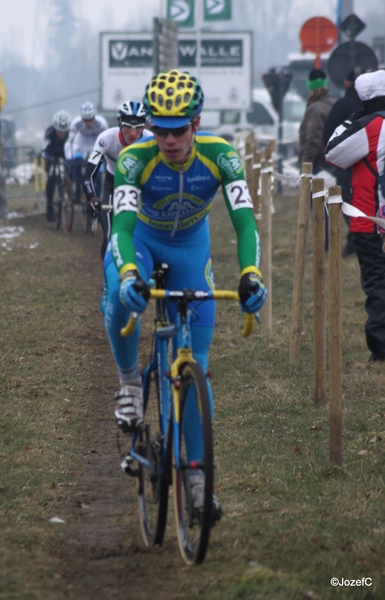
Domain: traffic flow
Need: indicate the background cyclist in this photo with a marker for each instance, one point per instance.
(131, 117)
(84, 130)
(164, 188)
(55, 138)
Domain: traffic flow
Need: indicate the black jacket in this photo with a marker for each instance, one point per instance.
(53, 146)
(341, 110)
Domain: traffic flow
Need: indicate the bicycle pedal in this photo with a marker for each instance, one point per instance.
(126, 462)
(127, 466)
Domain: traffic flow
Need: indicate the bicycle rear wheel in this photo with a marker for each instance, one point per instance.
(153, 482)
(87, 219)
(193, 527)
(68, 208)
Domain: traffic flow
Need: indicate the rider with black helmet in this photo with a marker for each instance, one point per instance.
(55, 138)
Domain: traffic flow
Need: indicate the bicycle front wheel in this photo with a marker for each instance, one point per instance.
(68, 207)
(193, 523)
(153, 481)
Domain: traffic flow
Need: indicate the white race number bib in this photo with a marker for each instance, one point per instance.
(95, 157)
(238, 194)
(126, 197)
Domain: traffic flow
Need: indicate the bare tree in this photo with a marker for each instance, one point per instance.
(62, 29)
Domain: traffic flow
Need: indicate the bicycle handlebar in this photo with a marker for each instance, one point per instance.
(192, 295)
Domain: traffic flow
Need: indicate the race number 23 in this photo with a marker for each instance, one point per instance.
(126, 197)
(238, 195)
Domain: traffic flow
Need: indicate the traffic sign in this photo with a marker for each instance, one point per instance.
(352, 26)
(181, 11)
(346, 57)
(277, 82)
(318, 35)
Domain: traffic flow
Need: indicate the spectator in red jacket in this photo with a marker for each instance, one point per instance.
(341, 111)
(361, 145)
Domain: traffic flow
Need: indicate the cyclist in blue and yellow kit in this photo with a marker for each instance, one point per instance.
(163, 191)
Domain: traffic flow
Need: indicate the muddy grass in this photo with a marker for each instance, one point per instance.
(292, 520)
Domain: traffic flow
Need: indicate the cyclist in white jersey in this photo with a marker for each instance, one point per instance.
(84, 130)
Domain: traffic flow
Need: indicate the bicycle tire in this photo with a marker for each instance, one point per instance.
(68, 209)
(87, 219)
(152, 491)
(193, 531)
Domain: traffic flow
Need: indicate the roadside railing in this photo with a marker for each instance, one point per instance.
(24, 175)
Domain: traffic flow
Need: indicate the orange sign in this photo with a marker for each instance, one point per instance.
(318, 35)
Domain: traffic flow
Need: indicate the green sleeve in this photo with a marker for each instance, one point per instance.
(129, 167)
(123, 250)
(249, 250)
(240, 207)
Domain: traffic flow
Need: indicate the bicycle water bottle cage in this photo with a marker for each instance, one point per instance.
(168, 331)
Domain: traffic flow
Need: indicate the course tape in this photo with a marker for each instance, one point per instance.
(292, 178)
(335, 199)
(322, 194)
(347, 209)
(351, 211)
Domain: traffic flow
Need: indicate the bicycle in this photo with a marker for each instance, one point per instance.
(95, 218)
(89, 222)
(63, 201)
(159, 459)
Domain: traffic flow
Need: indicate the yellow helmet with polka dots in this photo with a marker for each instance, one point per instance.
(173, 98)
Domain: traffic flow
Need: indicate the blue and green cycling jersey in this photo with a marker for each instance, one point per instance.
(164, 200)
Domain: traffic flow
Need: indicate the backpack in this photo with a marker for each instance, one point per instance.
(380, 178)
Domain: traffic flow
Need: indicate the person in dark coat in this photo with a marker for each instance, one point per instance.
(311, 145)
(318, 106)
(341, 110)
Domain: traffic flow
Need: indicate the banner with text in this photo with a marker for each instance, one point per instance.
(221, 60)
(217, 10)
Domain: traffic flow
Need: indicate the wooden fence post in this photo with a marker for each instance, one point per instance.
(249, 167)
(335, 325)
(299, 267)
(318, 197)
(266, 245)
(256, 188)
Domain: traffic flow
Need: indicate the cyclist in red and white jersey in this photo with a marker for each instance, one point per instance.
(131, 117)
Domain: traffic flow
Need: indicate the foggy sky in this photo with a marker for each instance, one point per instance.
(42, 77)
(23, 24)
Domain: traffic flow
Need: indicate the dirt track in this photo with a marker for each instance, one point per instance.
(101, 551)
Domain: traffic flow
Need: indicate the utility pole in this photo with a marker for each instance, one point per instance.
(165, 44)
